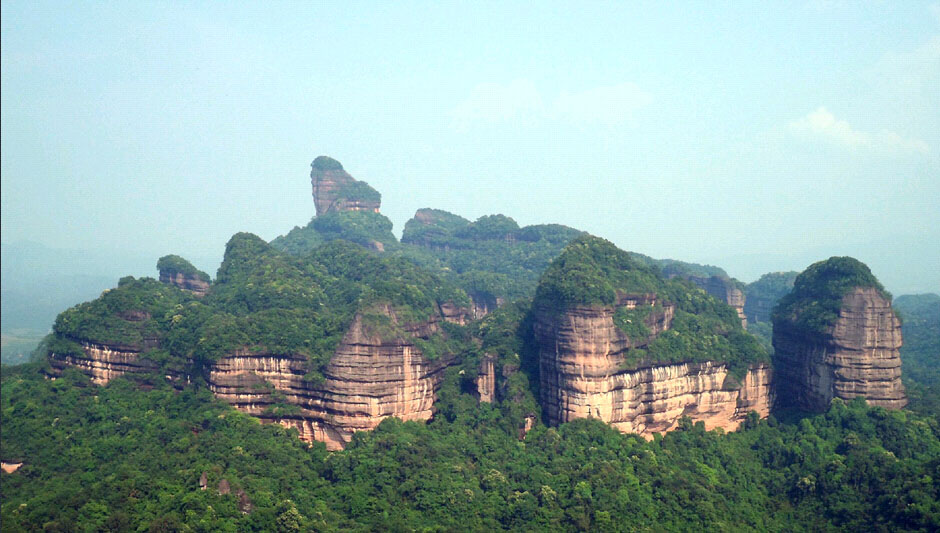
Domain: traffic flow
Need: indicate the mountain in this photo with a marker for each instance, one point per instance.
(476, 375)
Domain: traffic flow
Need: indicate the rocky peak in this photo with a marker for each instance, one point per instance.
(725, 290)
(335, 190)
(837, 336)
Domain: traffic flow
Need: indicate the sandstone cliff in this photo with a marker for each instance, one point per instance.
(372, 376)
(857, 355)
(335, 190)
(582, 356)
(101, 362)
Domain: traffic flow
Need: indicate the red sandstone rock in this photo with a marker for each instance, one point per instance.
(858, 356)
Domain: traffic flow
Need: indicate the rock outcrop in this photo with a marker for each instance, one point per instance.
(371, 377)
(583, 374)
(193, 284)
(102, 362)
(335, 190)
(486, 379)
(724, 290)
(856, 356)
(174, 270)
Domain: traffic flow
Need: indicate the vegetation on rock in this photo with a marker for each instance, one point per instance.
(174, 264)
(813, 304)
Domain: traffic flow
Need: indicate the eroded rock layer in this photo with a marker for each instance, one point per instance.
(582, 355)
(101, 362)
(193, 284)
(369, 378)
(857, 356)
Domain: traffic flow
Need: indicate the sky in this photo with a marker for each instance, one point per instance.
(754, 136)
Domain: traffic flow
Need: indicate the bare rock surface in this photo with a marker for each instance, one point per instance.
(193, 284)
(582, 356)
(370, 377)
(859, 355)
(335, 190)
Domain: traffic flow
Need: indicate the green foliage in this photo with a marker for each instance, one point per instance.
(633, 321)
(133, 315)
(263, 301)
(326, 163)
(121, 458)
(813, 304)
(763, 294)
(358, 191)
(360, 227)
(920, 354)
(174, 264)
(488, 227)
(591, 271)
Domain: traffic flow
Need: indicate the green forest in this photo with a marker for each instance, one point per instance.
(146, 454)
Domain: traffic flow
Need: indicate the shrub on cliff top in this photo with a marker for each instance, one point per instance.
(813, 304)
(174, 264)
(590, 271)
(326, 163)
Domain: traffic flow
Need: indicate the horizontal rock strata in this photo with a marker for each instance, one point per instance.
(368, 379)
(582, 355)
(858, 356)
(102, 362)
(193, 284)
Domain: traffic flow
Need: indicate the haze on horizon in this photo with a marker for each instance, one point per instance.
(760, 138)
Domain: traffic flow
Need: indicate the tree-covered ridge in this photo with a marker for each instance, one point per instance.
(361, 227)
(813, 304)
(125, 458)
(136, 314)
(591, 271)
(174, 264)
(264, 300)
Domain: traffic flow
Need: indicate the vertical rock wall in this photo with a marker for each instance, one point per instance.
(858, 356)
(582, 354)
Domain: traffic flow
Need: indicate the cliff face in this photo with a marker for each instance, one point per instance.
(581, 357)
(724, 290)
(857, 356)
(335, 190)
(193, 284)
(369, 378)
(101, 362)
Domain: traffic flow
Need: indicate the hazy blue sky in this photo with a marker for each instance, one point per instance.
(755, 136)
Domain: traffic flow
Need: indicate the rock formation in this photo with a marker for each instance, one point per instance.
(857, 355)
(102, 362)
(370, 377)
(335, 190)
(197, 286)
(486, 379)
(724, 290)
(582, 356)
(174, 270)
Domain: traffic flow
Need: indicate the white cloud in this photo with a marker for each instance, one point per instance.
(521, 100)
(822, 124)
